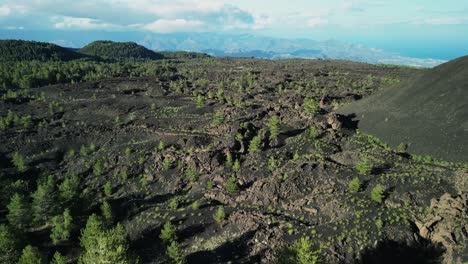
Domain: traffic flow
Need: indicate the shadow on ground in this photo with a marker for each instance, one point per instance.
(390, 252)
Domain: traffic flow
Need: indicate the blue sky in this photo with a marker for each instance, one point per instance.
(417, 28)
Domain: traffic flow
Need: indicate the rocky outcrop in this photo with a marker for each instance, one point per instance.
(447, 224)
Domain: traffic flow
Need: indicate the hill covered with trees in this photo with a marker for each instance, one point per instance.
(21, 50)
(119, 51)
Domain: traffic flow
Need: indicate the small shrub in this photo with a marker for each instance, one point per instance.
(255, 144)
(377, 193)
(220, 215)
(174, 252)
(200, 101)
(209, 185)
(401, 148)
(364, 166)
(272, 164)
(236, 167)
(167, 163)
(191, 174)
(311, 106)
(274, 125)
(231, 185)
(379, 223)
(168, 233)
(58, 259)
(106, 211)
(196, 205)
(108, 189)
(83, 151)
(161, 145)
(174, 203)
(219, 118)
(97, 168)
(355, 185)
(18, 162)
(301, 252)
(128, 152)
(229, 160)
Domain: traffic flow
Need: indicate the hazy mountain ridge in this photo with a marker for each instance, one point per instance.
(242, 45)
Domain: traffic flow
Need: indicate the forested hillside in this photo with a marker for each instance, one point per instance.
(20, 50)
(119, 51)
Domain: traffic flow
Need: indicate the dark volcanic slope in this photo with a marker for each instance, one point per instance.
(429, 112)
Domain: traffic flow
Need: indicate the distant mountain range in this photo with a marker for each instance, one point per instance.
(243, 45)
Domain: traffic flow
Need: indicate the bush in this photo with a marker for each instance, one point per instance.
(377, 193)
(168, 233)
(311, 106)
(220, 215)
(231, 185)
(31, 255)
(355, 185)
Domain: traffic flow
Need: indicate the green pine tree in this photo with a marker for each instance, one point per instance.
(104, 246)
(44, 204)
(58, 259)
(19, 214)
(62, 225)
(69, 188)
(31, 255)
(9, 245)
(168, 232)
(174, 252)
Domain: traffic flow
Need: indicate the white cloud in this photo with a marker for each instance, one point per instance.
(65, 22)
(177, 8)
(4, 10)
(316, 21)
(444, 21)
(175, 25)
